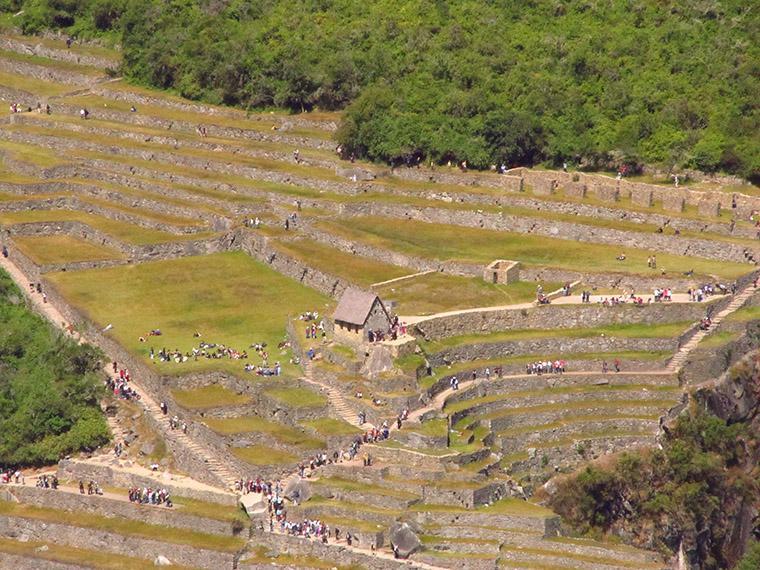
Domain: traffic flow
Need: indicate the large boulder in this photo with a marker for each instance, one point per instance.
(404, 539)
(298, 491)
(162, 561)
(379, 360)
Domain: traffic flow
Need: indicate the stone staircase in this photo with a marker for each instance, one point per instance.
(680, 357)
(336, 399)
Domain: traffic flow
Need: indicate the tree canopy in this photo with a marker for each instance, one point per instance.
(598, 82)
(49, 387)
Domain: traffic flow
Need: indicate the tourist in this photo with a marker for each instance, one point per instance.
(454, 383)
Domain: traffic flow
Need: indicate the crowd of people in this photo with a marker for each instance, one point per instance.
(92, 488)
(47, 482)
(546, 367)
(149, 496)
(12, 476)
(396, 330)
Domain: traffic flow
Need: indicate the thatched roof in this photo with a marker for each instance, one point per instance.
(354, 306)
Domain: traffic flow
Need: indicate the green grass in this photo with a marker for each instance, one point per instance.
(508, 506)
(228, 297)
(66, 66)
(435, 427)
(745, 314)
(331, 427)
(361, 486)
(37, 156)
(295, 397)
(255, 424)
(717, 339)
(123, 526)
(572, 556)
(438, 292)
(77, 557)
(262, 555)
(575, 420)
(351, 524)
(205, 509)
(548, 392)
(37, 87)
(263, 455)
(212, 396)
(45, 250)
(123, 231)
(359, 270)
(625, 330)
(437, 241)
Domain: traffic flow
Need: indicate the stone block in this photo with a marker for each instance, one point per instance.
(545, 187)
(709, 208)
(642, 197)
(607, 192)
(575, 189)
(513, 183)
(673, 201)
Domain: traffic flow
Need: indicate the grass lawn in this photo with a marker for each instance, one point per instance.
(123, 231)
(331, 427)
(297, 397)
(251, 424)
(439, 292)
(359, 270)
(44, 250)
(229, 298)
(35, 155)
(209, 510)
(76, 556)
(37, 87)
(437, 241)
(632, 330)
(717, 339)
(263, 455)
(208, 397)
(123, 526)
(745, 314)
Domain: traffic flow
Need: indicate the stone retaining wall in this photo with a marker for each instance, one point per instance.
(103, 506)
(556, 316)
(505, 349)
(41, 50)
(47, 73)
(94, 539)
(115, 477)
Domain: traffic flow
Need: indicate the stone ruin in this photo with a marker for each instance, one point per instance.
(502, 272)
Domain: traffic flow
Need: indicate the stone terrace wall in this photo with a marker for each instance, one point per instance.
(104, 475)
(557, 316)
(488, 351)
(41, 50)
(95, 539)
(722, 251)
(47, 73)
(151, 514)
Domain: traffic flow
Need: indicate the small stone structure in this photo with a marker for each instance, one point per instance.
(642, 197)
(709, 208)
(673, 201)
(502, 271)
(545, 187)
(357, 313)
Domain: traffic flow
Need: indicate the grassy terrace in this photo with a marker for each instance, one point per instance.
(77, 557)
(95, 102)
(59, 44)
(229, 298)
(123, 231)
(575, 557)
(630, 330)
(34, 86)
(438, 292)
(255, 424)
(297, 397)
(745, 314)
(123, 526)
(59, 65)
(264, 455)
(360, 486)
(568, 406)
(213, 396)
(562, 390)
(719, 338)
(36, 156)
(359, 270)
(62, 249)
(261, 555)
(436, 241)
(624, 356)
(575, 420)
(327, 427)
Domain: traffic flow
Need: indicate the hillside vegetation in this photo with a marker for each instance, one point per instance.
(596, 82)
(49, 388)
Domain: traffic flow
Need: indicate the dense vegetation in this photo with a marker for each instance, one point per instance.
(693, 490)
(49, 389)
(597, 82)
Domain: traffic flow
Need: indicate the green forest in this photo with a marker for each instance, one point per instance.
(692, 491)
(49, 388)
(596, 83)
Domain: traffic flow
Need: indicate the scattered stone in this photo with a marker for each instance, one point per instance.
(162, 560)
(43, 548)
